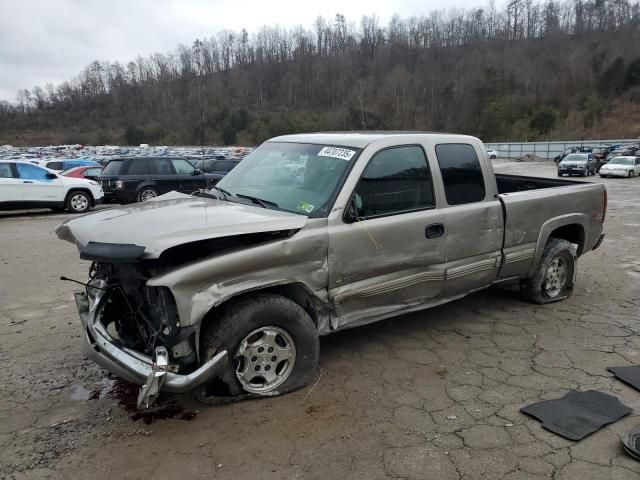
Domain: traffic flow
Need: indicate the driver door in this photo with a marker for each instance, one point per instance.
(393, 257)
(36, 187)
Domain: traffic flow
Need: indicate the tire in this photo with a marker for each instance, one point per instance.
(147, 193)
(242, 328)
(78, 202)
(492, 157)
(559, 263)
(584, 173)
(632, 174)
(560, 174)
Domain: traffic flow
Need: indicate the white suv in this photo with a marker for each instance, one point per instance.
(25, 185)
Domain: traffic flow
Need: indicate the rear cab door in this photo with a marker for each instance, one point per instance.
(10, 184)
(473, 214)
(393, 257)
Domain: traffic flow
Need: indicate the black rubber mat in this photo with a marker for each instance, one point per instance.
(630, 375)
(631, 443)
(577, 414)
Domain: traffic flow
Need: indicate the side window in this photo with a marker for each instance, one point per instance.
(182, 166)
(227, 165)
(139, 166)
(461, 173)
(163, 166)
(395, 180)
(6, 171)
(55, 165)
(31, 172)
(92, 172)
(233, 165)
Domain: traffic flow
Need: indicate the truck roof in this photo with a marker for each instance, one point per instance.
(359, 139)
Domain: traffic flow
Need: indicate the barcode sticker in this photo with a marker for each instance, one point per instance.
(335, 152)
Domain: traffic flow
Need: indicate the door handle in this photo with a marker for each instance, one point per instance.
(434, 230)
(27, 181)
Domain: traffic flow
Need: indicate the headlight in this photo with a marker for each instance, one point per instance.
(91, 182)
(119, 184)
(96, 289)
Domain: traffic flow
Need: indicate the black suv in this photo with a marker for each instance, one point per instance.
(216, 169)
(136, 179)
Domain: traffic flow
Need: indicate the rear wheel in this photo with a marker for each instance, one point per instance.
(272, 343)
(147, 193)
(78, 202)
(555, 276)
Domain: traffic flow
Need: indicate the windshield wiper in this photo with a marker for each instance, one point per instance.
(225, 194)
(259, 201)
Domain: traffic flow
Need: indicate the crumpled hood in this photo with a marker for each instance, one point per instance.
(174, 219)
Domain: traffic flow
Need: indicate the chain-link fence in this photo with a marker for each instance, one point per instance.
(548, 150)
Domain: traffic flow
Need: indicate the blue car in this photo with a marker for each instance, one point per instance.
(60, 165)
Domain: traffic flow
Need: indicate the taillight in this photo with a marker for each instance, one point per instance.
(604, 205)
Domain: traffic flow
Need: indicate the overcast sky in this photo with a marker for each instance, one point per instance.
(53, 40)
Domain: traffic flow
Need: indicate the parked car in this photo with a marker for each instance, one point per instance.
(216, 169)
(235, 287)
(92, 173)
(61, 165)
(25, 185)
(136, 179)
(621, 167)
(492, 153)
(583, 164)
(570, 150)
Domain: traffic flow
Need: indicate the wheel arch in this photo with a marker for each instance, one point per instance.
(80, 189)
(567, 227)
(294, 291)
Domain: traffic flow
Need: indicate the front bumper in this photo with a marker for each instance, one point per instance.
(599, 242)
(132, 366)
(614, 173)
(572, 170)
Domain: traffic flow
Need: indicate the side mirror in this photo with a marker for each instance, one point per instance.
(51, 176)
(351, 212)
(197, 171)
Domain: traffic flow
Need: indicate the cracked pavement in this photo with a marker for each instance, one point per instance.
(434, 394)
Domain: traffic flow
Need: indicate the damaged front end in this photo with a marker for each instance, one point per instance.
(134, 330)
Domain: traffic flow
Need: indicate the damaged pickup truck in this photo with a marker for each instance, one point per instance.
(226, 292)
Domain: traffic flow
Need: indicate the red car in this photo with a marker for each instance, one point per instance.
(92, 173)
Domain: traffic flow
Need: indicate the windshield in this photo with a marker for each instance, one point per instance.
(621, 161)
(575, 157)
(112, 168)
(297, 177)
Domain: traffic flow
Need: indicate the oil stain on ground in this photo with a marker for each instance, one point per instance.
(126, 394)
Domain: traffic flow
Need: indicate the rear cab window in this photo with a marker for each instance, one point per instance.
(396, 180)
(461, 173)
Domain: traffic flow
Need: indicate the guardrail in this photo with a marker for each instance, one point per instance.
(549, 150)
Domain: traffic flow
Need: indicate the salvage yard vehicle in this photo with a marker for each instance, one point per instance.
(137, 179)
(226, 292)
(621, 167)
(25, 185)
(92, 173)
(583, 164)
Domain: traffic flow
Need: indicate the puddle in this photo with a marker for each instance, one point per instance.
(126, 394)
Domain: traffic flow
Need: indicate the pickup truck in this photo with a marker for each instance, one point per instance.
(227, 291)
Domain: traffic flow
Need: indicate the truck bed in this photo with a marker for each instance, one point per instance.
(534, 208)
(520, 183)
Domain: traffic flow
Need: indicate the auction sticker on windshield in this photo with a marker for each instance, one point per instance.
(335, 152)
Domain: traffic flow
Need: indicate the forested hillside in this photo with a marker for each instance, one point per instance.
(523, 71)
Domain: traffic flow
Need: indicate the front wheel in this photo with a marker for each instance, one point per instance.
(272, 343)
(555, 277)
(631, 174)
(78, 202)
(147, 193)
